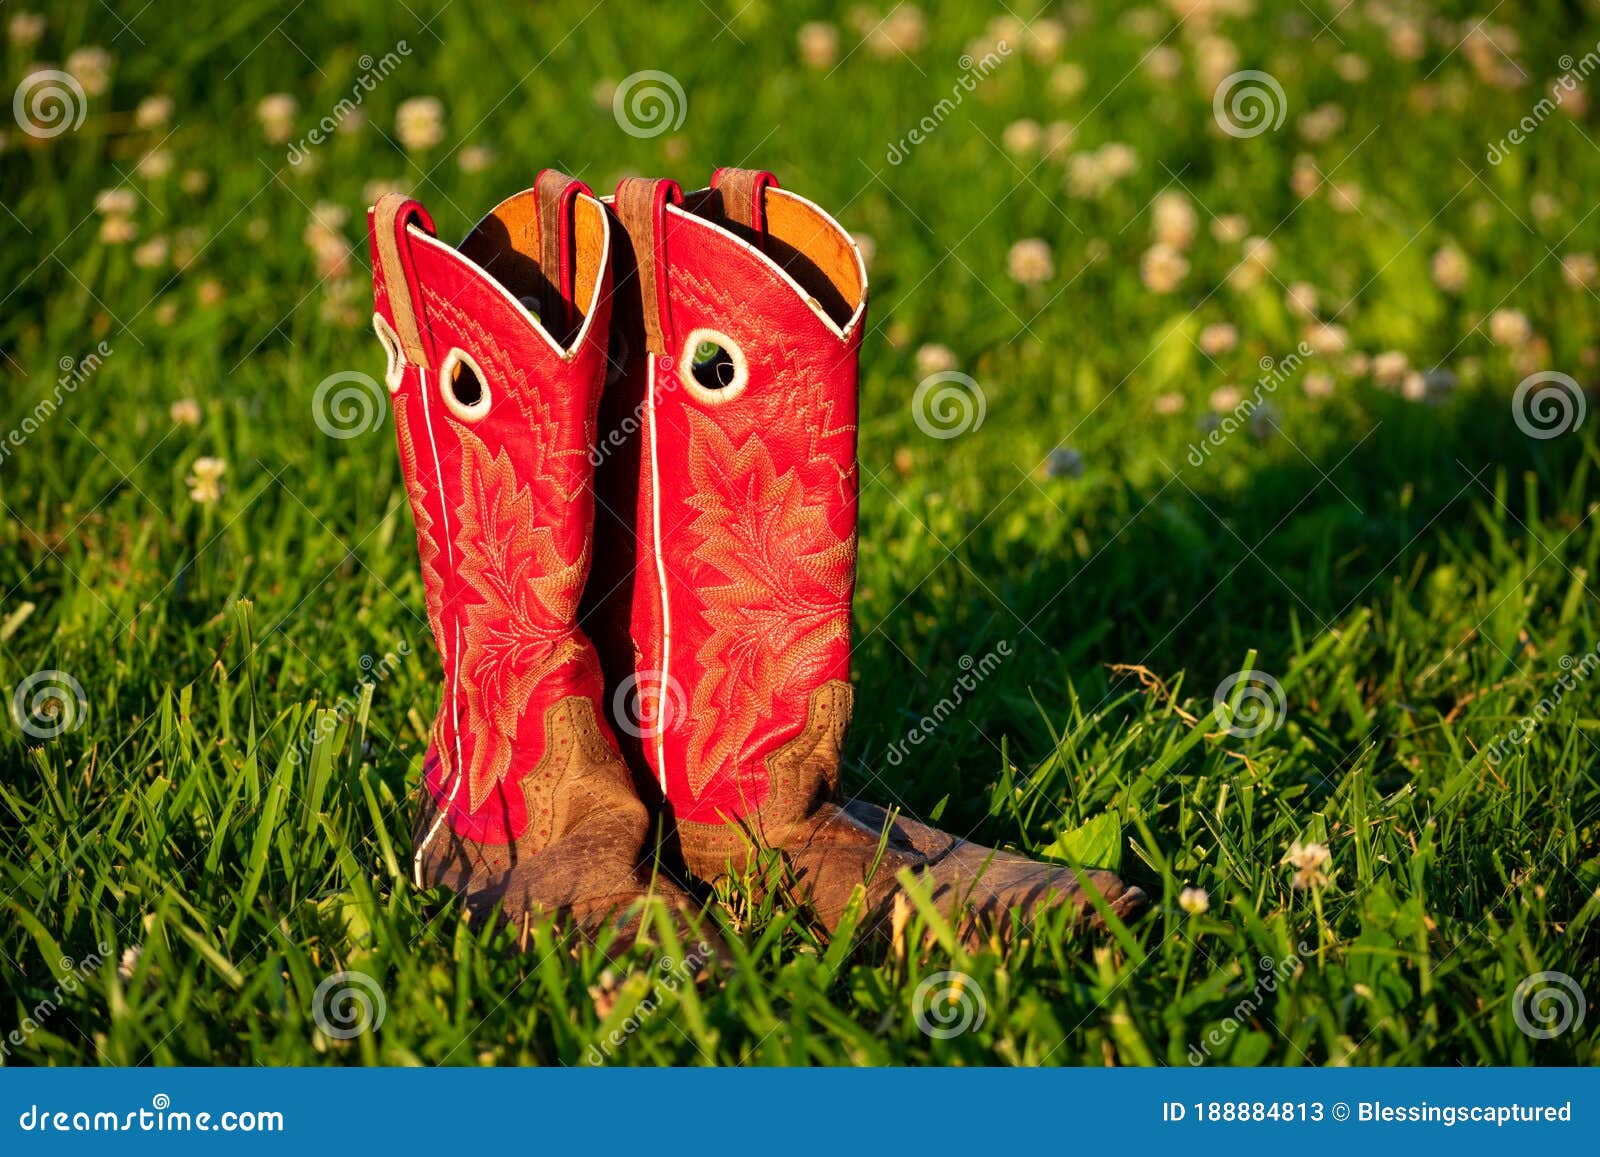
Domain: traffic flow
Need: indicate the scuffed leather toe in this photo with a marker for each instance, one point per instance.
(977, 888)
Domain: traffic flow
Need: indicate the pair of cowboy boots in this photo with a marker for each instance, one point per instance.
(639, 414)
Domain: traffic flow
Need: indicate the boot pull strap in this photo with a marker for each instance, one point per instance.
(390, 217)
(641, 205)
(744, 197)
(557, 195)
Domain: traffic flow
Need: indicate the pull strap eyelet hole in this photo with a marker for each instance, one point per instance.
(394, 373)
(463, 386)
(713, 367)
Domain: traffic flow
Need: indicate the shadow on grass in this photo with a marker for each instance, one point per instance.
(1266, 547)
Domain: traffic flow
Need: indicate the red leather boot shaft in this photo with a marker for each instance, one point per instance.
(495, 414)
(746, 512)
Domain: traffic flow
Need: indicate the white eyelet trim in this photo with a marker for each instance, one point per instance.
(394, 374)
(447, 372)
(705, 394)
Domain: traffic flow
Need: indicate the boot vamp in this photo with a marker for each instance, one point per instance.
(602, 863)
(964, 880)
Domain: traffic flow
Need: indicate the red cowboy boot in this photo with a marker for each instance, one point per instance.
(497, 355)
(750, 302)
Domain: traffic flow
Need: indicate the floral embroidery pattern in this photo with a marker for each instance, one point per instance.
(779, 614)
(520, 632)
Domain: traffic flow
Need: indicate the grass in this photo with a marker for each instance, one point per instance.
(1410, 574)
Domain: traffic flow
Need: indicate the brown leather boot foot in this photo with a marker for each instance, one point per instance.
(597, 874)
(589, 861)
(977, 888)
(831, 848)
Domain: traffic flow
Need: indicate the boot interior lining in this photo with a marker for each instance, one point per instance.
(803, 241)
(505, 244)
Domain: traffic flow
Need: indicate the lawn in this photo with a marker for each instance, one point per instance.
(1252, 552)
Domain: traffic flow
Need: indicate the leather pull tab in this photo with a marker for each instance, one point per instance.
(557, 194)
(744, 197)
(641, 206)
(390, 218)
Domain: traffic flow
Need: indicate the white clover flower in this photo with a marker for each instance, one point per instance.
(1163, 268)
(1308, 861)
(419, 123)
(205, 479)
(1510, 327)
(1031, 262)
(818, 42)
